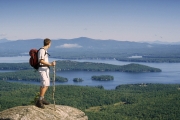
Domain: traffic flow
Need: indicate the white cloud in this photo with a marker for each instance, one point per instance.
(69, 46)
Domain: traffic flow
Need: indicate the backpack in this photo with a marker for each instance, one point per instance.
(33, 60)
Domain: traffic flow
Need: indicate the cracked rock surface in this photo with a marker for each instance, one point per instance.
(31, 112)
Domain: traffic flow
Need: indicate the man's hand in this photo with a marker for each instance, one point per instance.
(48, 64)
(53, 63)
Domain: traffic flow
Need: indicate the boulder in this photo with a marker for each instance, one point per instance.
(51, 112)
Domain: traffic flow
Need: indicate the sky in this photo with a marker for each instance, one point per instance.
(123, 20)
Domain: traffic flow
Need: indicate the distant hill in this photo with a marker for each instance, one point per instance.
(87, 48)
(160, 42)
(3, 40)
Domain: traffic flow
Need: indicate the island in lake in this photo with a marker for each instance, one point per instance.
(78, 80)
(102, 78)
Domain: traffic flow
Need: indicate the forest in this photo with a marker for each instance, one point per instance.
(27, 75)
(126, 102)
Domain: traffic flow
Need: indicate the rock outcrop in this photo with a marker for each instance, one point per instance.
(32, 112)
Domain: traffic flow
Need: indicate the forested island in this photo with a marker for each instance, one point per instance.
(66, 65)
(78, 80)
(130, 102)
(102, 78)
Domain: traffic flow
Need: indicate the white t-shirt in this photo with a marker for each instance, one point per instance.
(42, 54)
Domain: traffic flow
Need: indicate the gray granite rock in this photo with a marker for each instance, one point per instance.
(59, 112)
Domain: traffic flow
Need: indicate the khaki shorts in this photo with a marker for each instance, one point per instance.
(44, 78)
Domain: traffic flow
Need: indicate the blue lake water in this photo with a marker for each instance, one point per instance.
(169, 75)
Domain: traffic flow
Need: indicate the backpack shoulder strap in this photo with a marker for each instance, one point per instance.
(45, 52)
(40, 49)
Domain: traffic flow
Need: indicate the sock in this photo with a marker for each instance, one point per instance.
(41, 97)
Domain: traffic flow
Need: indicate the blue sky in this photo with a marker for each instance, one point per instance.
(124, 20)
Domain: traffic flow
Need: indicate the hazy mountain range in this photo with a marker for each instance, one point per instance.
(87, 47)
(152, 42)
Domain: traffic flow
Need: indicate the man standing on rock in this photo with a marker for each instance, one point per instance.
(44, 72)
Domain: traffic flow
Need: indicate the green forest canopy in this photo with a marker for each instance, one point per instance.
(126, 102)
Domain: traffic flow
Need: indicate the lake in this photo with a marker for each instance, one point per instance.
(169, 75)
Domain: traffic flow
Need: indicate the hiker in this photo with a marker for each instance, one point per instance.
(44, 72)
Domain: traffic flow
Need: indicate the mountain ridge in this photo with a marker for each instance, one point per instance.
(87, 48)
(85, 38)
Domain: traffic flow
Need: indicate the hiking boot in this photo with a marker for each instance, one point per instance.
(45, 102)
(40, 104)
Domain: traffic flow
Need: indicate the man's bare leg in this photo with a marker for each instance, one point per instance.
(43, 90)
